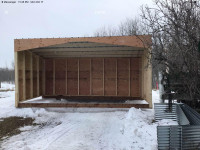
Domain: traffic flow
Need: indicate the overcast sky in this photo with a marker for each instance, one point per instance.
(59, 18)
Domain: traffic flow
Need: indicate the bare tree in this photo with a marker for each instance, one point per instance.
(103, 31)
(131, 26)
(175, 28)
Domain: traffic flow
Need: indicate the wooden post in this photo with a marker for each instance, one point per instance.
(78, 77)
(16, 80)
(53, 76)
(66, 76)
(103, 78)
(43, 77)
(90, 76)
(31, 75)
(116, 78)
(129, 77)
(24, 75)
(38, 75)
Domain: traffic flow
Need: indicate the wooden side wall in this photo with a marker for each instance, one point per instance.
(146, 81)
(93, 77)
(28, 76)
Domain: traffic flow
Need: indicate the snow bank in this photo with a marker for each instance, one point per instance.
(140, 130)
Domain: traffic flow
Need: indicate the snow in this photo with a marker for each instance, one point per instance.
(5, 86)
(136, 102)
(53, 100)
(165, 122)
(82, 128)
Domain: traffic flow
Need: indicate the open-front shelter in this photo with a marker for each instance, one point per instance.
(96, 68)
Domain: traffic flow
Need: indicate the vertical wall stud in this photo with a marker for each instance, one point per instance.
(66, 76)
(116, 77)
(129, 76)
(38, 75)
(31, 74)
(53, 76)
(24, 75)
(103, 78)
(78, 77)
(16, 80)
(90, 76)
(43, 77)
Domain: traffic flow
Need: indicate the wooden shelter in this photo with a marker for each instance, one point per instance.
(83, 68)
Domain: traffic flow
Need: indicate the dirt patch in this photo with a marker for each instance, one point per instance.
(10, 126)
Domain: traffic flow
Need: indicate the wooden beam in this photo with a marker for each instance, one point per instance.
(24, 75)
(53, 76)
(129, 69)
(116, 79)
(89, 49)
(90, 76)
(98, 105)
(16, 80)
(31, 75)
(38, 75)
(103, 79)
(95, 53)
(66, 76)
(43, 78)
(78, 77)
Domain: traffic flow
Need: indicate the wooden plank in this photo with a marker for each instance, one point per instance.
(123, 77)
(98, 105)
(97, 76)
(16, 79)
(133, 41)
(43, 77)
(72, 76)
(34, 76)
(53, 76)
(116, 78)
(92, 56)
(110, 76)
(66, 76)
(28, 75)
(24, 75)
(49, 77)
(60, 76)
(90, 76)
(31, 75)
(84, 76)
(20, 78)
(94, 48)
(99, 53)
(78, 77)
(129, 81)
(38, 76)
(135, 75)
(103, 79)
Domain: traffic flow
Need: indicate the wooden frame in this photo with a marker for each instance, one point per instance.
(31, 67)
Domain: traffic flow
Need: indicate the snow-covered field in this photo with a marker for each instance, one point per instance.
(82, 129)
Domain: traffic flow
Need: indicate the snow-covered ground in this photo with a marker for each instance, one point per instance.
(5, 86)
(82, 128)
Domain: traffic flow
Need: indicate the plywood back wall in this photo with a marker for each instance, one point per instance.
(93, 76)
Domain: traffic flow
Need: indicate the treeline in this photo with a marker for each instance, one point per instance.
(7, 75)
